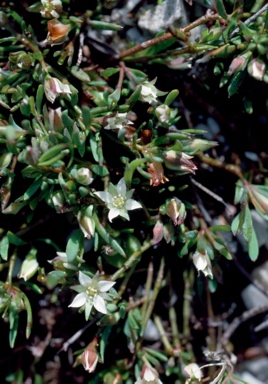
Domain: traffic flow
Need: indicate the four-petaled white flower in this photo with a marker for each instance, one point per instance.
(148, 91)
(118, 200)
(116, 121)
(91, 292)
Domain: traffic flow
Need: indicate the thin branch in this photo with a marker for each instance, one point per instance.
(250, 19)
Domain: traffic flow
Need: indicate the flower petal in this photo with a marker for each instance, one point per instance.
(112, 190)
(114, 212)
(104, 285)
(84, 279)
(132, 204)
(79, 300)
(105, 196)
(88, 308)
(129, 193)
(78, 288)
(121, 187)
(123, 213)
(99, 304)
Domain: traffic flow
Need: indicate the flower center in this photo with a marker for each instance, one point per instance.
(91, 291)
(119, 201)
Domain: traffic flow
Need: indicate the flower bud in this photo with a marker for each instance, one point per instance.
(52, 119)
(29, 266)
(148, 92)
(179, 161)
(148, 375)
(158, 232)
(239, 63)
(175, 209)
(199, 145)
(86, 224)
(82, 175)
(58, 200)
(193, 371)
(54, 88)
(162, 112)
(51, 8)
(256, 69)
(89, 358)
(202, 263)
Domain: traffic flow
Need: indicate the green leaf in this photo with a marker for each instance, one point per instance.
(14, 239)
(100, 170)
(75, 245)
(32, 189)
(4, 245)
(222, 250)
(235, 82)
(221, 9)
(13, 322)
(14, 208)
(39, 98)
(104, 25)
(54, 278)
(253, 246)
(79, 73)
(235, 224)
(103, 341)
(109, 72)
(215, 228)
(171, 97)
(246, 221)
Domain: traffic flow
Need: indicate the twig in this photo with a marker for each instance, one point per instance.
(240, 319)
(250, 19)
(209, 192)
(167, 36)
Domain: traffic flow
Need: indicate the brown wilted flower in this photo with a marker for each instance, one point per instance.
(57, 32)
(179, 161)
(156, 170)
(175, 209)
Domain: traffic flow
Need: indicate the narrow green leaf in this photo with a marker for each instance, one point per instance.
(32, 189)
(75, 245)
(39, 98)
(14, 239)
(103, 341)
(246, 221)
(221, 9)
(100, 170)
(225, 228)
(253, 246)
(4, 248)
(13, 322)
(235, 82)
(109, 72)
(80, 74)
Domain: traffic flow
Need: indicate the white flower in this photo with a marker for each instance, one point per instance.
(91, 292)
(117, 121)
(163, 113)
(54, 88)
(193, 371)
(149, 91)
(202, 263)
(118, 200)
(51, 8)
(29, 266)
(148, 375)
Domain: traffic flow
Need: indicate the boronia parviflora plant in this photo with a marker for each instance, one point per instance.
(99, 146)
